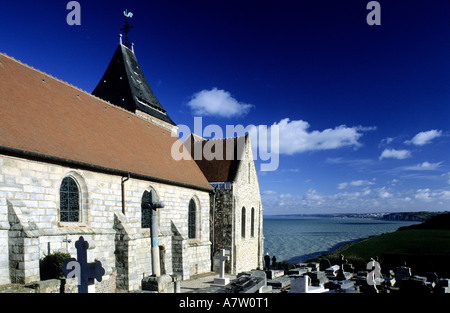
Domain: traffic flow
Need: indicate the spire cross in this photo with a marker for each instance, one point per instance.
(127, 27)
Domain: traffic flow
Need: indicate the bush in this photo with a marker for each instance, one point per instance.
(51, 265)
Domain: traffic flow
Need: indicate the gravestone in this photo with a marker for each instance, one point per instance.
(442, 286)
(223, 256)
(402, 272)
(318, 278)
(81, 269)
(313, 265)
(302, 284)
(432, 277)
(332, 271)
(324, 264)
(341, 285)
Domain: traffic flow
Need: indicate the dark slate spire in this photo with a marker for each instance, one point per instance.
(124, 85)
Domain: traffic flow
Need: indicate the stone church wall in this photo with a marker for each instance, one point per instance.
(246, 251)
(4, 253)
(30, 226)
(248, 248)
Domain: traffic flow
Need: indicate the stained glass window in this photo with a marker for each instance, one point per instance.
(69, 200)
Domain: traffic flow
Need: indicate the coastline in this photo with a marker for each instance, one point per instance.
(322, 254)
(308, 238)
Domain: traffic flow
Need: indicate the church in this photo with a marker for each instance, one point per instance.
(77, 164)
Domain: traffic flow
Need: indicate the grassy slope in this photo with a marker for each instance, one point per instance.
(425, 246)
(411, 241)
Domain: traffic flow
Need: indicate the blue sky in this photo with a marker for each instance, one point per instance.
(363, 111)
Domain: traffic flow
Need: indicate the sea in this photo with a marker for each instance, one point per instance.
(299, 239)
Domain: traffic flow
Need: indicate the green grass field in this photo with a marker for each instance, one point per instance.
(411, 241)
(422, 249)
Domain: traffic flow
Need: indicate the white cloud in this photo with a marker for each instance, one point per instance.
(395, 154)
(424, 138)
(383, 193)
(294, 137)
(425, 166)
(429, 195)
(355, 183)
(217, 102)
(368, 200)
(446, 176)
(386, 141)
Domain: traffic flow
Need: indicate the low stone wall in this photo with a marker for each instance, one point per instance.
(54, 286)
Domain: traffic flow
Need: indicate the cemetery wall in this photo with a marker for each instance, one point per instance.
(31, 229)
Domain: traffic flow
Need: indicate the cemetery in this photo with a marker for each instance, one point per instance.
(82, 276)
(325, 277)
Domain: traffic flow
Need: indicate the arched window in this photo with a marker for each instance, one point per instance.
(252, 225)
(192, 229)
(243, 222)
(148, 196)
(69, 200)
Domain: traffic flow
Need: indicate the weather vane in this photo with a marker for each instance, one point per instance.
(127, 27)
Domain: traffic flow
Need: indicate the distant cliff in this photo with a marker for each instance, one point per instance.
(438, 221)
(411, 216)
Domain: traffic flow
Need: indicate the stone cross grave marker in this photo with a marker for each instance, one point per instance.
(222, 257)
(81, 269)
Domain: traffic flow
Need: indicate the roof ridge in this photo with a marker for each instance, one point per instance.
(226, 138)
(43, 73)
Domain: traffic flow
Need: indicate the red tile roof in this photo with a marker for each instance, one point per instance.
(45, 116)
(221, 169)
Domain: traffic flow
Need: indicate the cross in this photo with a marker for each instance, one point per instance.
(81, 269)
(67, 241)
(127, 27)
(222, 257)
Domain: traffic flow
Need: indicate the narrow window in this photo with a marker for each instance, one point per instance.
(192, 219)
(252, 225)
(243, 222)
(69, 200)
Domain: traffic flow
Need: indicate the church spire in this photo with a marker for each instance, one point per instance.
(124, 85)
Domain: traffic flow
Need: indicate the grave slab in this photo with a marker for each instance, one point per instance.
(279, 282)
(271, 274)
(297, 271)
